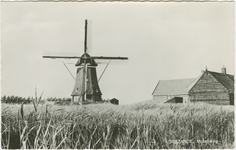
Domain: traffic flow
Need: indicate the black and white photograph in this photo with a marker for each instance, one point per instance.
(117, 75)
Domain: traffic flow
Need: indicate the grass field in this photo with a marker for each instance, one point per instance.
(146, 125)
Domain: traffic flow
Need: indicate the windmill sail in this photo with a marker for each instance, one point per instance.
(106, 57)
(89, 36)
(49, 54)
(85, 36)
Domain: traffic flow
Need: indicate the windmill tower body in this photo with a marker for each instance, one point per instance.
(86, 72)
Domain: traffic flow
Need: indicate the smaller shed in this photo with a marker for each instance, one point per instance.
(114, 101)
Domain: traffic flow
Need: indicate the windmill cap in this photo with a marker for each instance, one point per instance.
(85, 55)
(86, 58)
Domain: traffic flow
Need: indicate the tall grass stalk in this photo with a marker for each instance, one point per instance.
(103, 126)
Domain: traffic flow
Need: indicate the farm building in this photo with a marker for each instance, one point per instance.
(210, 87)
(114, 101)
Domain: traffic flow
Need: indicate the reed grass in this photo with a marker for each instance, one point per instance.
(104, 126)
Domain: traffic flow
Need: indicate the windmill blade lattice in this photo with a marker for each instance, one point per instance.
(89, 36)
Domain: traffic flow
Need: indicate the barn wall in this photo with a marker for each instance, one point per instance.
(186, 99)
(217, 102)
(210, 97)
(164, 98)
(209, 90)
(160, 98)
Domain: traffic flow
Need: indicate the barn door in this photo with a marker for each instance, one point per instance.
(231, 98)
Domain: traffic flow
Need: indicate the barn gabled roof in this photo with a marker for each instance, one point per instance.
(183, 86)
(225, 79)
(172, 87)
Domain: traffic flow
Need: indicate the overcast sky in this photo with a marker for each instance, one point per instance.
(162, 40)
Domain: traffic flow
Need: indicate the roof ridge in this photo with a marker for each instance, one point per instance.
(155, 87)
(221, 73)
(178, 79)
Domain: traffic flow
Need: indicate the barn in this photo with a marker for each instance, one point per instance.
(210, 87)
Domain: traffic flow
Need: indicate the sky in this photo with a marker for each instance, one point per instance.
(163, 41)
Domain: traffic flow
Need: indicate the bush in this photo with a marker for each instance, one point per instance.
(15, 100)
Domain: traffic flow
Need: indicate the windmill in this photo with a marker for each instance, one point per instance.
(86, 84)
